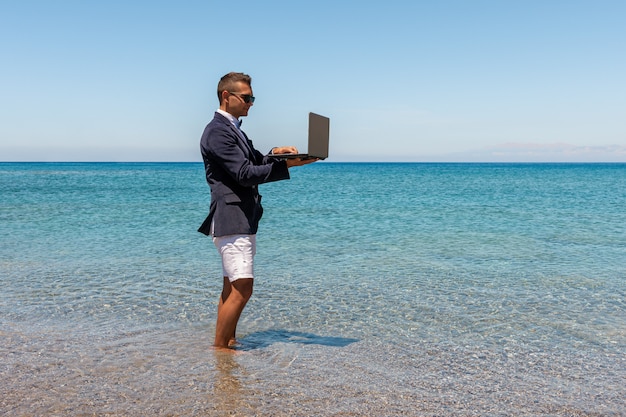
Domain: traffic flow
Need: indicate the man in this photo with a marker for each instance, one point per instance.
(234, 169)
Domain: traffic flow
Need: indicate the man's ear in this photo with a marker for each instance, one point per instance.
(224, 95)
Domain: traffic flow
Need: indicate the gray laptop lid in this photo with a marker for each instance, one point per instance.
(319, 129)
(319, 132)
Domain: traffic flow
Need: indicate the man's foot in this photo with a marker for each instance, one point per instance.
(228, 350)
(223, 349)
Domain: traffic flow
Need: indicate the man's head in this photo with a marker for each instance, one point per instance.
(234, 92)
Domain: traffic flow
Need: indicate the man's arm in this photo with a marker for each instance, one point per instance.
(223, 147)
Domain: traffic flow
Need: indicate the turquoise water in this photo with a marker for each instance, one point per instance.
(381, 289)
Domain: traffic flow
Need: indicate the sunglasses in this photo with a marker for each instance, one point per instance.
(247, 98)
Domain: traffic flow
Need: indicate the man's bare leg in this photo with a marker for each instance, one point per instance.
(234, 297)
(226, 289)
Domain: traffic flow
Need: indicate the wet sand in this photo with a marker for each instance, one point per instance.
(173, 372)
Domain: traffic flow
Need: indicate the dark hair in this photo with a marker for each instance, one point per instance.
(227, 82)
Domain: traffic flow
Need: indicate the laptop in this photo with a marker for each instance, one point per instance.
(319, 128)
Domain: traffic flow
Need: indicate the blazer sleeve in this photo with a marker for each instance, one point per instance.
(244, 164)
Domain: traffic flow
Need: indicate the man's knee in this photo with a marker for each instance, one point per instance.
(244, 287)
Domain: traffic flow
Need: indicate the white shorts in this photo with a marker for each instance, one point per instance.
(237, 252)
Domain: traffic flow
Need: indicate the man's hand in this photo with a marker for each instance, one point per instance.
(296, 162)
(284, 149)
(293, 162)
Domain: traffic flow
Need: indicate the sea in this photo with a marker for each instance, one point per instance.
(381, 289)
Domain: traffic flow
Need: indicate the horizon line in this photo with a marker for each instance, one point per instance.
(323, 162)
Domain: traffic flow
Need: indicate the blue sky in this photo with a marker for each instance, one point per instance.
(401, 80)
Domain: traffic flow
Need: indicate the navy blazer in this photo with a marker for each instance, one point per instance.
(233, 170)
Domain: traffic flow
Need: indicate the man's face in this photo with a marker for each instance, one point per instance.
(235, 100)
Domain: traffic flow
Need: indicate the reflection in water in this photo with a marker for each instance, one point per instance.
(229, 395)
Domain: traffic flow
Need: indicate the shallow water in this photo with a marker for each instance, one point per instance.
(405, 289)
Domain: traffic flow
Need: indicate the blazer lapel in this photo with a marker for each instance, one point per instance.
(245, 145)
(243, 139)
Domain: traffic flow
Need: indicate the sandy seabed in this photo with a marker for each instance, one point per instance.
(173, 372)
